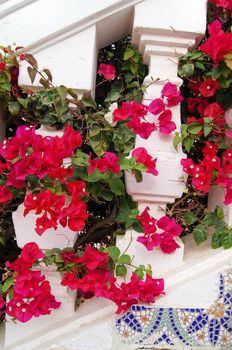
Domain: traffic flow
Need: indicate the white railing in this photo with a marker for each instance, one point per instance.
(162, 30)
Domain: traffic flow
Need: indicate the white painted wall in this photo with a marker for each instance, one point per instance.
(66, 37)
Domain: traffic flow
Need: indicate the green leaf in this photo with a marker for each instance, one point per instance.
(107, 195)
(121, 270)
(190, 218)
(138, 175)
(129, 53)
(5, 82)
(117, 187)
(11, 294)
(59, 259)
(7, 285)
(81, 158)
(112, 96)
(216, 241)
(128, 77)
(207, 130)
(2, 237)
(228, 62)
(126, 205)
(199, 65)
(176, 140)
(194, 128)
(61, 103)
(137, 57)
(14, 107)
(208, 120)
(219, 212)
(31, 60)
(48, 74)
(188, 69)
(200, 234)
(227, 239)
(134, 67)
(188, 143)
(88, 102)
(99, 143)
(127, 163)
(124, 259)
(72, 93)
(139, 273)
(32, 73)
(210, 219)
(94, 130)
(44, 83)
(113, 252)
(195, 54)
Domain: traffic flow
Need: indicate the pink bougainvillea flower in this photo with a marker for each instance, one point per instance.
(166, 125)
(144, 158)
(147, 221)
(2, 66)
(129, 109)
(227, 4)
(31, 252)
(193, 103)
(109, 162)
(19, 265)
(229, 134)
(19, 309)
(141, 128)
(72, 138)
(150, 241)
(47, 204)
(228, 195)
(107, 70)
(156, 106)
(69, 256)
(168, 244)
(209, 87)
(169, 226)
(213, 110)
(2, 302)
(153, 237)
(5, 194)
(93, 258)
(218, 44)
(227, 161)
(74, 215)
(172, 94)
(77, 188)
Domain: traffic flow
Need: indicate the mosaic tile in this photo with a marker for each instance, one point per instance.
(182, 326)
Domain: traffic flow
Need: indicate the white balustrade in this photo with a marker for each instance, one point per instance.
(161, 37)
(162, 30)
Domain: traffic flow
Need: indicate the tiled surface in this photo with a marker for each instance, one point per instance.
(182, 326)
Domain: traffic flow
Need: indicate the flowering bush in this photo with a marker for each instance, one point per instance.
(77, 180)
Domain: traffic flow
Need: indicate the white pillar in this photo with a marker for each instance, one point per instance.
(163, 31)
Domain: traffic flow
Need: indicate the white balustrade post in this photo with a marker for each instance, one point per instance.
(79, 73)
(163, 31)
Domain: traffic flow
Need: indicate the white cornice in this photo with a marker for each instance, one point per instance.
(61, 30)
(10, 6)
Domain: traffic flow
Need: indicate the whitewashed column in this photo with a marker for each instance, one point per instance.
(73, 63)
(163, 31)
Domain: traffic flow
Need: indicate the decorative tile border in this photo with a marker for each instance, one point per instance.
(182, 326)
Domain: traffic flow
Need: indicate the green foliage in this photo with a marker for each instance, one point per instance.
(193, 63)
(113, 252)
(214, 223)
